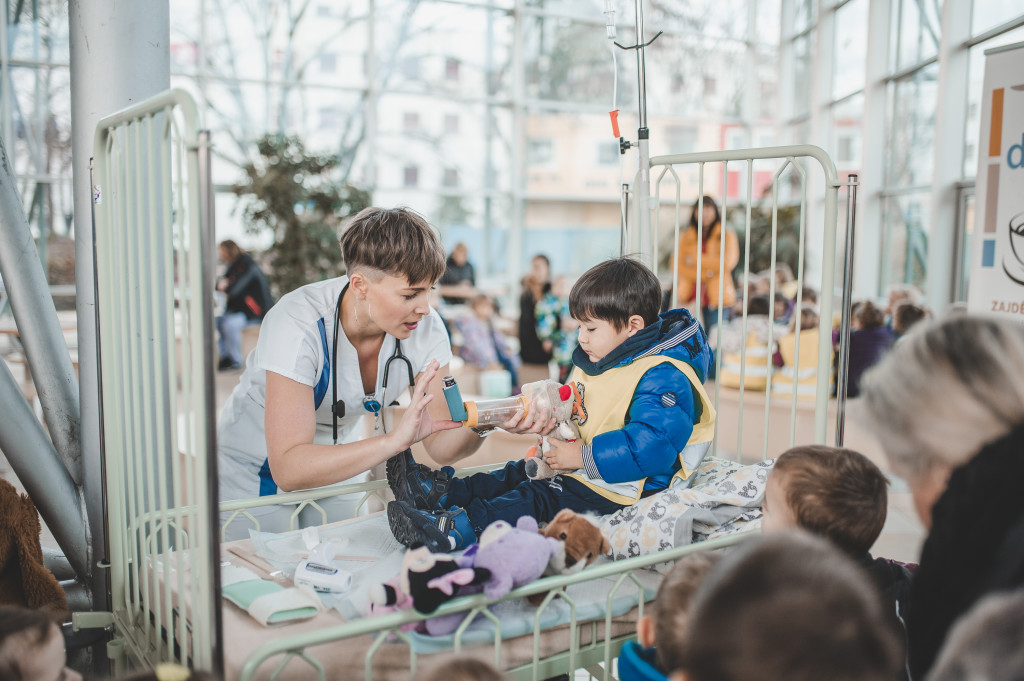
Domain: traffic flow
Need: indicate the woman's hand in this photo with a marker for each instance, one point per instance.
(565, 456)
(533, 422)
(416, 422)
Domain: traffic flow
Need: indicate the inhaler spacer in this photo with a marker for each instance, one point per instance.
(549, 395)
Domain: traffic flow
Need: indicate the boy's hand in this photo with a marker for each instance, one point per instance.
(565, 456)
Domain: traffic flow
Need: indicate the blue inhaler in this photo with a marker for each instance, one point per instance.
(454, 399)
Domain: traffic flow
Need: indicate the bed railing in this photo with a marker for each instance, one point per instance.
(791, 167)
(153, 250)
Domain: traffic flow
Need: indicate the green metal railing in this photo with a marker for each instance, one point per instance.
(153, 248)
(790, 162)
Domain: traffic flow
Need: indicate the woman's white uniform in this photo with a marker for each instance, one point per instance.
(296, 341)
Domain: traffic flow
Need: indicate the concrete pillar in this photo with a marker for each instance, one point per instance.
(119, 56)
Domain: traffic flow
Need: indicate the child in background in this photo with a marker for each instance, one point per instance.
(905, 315)
(838, 494)
(483, 346)
(758, 353)
(788, 607)
(869, 341)
(801, 371)
(645, 422)
(32, 647)
(646, 660)
(556, 328)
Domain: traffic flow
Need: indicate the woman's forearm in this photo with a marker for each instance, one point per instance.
(451, 446)
(311, 465)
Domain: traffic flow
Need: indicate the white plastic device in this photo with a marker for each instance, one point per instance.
(316, 571)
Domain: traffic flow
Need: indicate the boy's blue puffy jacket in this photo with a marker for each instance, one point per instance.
(649, 444)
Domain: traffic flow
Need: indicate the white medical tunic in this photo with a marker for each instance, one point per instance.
(296, 341)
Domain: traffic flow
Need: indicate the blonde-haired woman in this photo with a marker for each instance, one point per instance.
(947, 405)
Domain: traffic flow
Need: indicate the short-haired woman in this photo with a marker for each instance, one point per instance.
(947, 405)
(332, 352)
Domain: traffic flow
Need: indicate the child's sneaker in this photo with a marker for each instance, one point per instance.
(417, 485)
(441, 532)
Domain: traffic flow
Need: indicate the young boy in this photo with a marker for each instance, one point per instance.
(838, 494)
(661, 637)
(646, 422)
(788, 607)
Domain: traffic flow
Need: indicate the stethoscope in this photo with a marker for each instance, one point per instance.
(370, 403)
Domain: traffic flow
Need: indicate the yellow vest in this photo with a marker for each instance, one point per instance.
(757, 369)
(605, 400)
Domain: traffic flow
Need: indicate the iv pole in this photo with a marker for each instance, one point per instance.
(641, 189)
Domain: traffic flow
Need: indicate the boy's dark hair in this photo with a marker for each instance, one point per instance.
(614, 291)
(838, 494)
(809, 294)
(906, 314)
(395, 241)
(790, 607)
(672, 608)
(759, 305)
(869, 316)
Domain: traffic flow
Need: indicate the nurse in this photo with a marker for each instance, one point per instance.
(332, 352)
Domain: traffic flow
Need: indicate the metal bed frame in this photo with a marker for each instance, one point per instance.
(154, 264)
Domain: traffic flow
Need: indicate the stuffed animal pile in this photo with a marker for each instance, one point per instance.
(506, 558)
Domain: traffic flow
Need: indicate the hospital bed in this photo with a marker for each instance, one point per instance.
(154, 265)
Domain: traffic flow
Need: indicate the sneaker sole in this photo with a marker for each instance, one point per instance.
(397, 476)
(415, 532)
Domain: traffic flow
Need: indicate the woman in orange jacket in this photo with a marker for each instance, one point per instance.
(710, 277)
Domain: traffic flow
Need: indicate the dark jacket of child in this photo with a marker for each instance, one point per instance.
(646, 418)
(975, 546)
(867, 346)
(637, 663)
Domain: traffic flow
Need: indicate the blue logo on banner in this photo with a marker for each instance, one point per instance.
(988, 253)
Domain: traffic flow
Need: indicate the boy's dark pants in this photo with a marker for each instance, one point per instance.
(507, 494)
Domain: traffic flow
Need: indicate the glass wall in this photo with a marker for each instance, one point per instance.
(879, 110)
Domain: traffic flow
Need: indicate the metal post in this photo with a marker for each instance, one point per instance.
(643, 183)
(47, 482)
(207, 213)
(624, 220)
(36, 317)
(119, 56)
(844, 332)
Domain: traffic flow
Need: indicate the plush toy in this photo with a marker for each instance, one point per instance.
(426, 581)
(514, 555)
(535, 466)
(581, 543)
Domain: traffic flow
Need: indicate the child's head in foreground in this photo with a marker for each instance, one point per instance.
(461, 668)
(612, 301)
(32, 647)
(789, 607)
(666, 627)
(834, 493)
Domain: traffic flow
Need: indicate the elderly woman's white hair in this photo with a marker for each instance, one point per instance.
(945, 390)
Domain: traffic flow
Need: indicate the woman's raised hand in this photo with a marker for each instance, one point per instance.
(416, 423)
